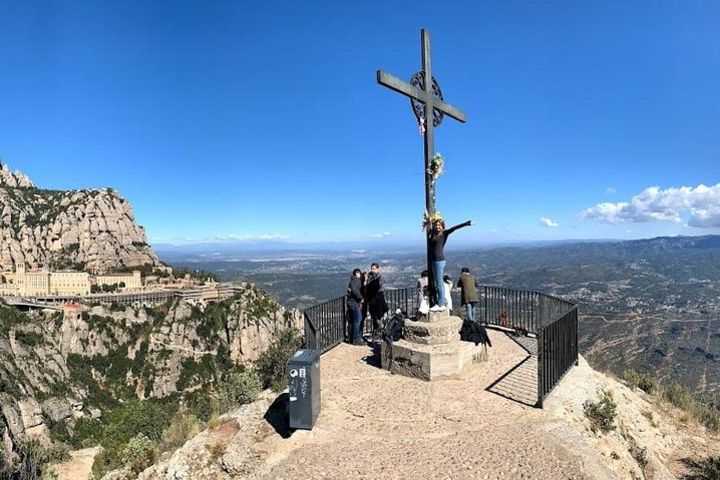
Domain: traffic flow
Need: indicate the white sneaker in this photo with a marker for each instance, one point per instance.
(437, 308)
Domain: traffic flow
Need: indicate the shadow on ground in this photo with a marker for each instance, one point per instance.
(277, 416)
(519, 384)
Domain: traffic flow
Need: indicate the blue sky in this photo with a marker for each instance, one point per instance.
(233, 120)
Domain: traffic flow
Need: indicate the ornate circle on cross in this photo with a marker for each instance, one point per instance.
(418, 80)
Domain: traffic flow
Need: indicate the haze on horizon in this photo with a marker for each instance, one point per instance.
(263, 124)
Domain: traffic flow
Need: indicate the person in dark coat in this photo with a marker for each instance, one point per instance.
(375, 297)
(438, 238)
(354, 305)
(469, 296)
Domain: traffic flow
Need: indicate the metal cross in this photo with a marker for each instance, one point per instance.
(427, 102)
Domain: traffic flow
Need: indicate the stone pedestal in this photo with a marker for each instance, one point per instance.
(431, 348)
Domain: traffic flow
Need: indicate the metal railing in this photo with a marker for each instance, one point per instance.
(326, 324)
(552, 320)
(557, 351)
(526, 309)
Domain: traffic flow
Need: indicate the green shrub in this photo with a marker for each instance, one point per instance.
(31, 339)
(149, 418)
(643, 381)
(602, 413)
(239, 388)
(139, 453)
(704, 409)
(705, 469)
(35, 457)
(182, 428)
(272, 364)
(87, 431)
(678, 395)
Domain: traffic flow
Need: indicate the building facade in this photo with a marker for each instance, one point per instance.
(125, 281)
(69, 283)
(34, 283)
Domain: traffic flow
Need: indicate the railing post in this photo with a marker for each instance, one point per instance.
(310, 332)
(345, 318)
(540, 367)
(577, 344)
(486, 305)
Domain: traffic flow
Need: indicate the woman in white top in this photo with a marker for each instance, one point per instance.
(448, 296)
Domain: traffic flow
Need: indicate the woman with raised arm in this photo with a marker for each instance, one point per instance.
(438, 238)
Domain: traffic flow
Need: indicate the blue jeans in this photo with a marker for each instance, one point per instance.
(438, 269)
(470, 311)
(355, 318)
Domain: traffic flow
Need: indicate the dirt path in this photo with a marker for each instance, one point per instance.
(79, 466)
(377, 425)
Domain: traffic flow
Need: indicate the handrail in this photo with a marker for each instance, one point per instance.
(553, 321)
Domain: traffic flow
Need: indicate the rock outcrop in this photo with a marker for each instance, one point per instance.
(84, 229)
(14, 180)
(54, 368)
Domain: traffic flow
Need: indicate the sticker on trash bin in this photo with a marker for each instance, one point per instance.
(302, 372)
(294, 373)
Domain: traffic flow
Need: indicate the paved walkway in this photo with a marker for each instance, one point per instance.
(377, 425)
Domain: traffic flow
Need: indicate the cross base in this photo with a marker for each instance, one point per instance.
(431, 349)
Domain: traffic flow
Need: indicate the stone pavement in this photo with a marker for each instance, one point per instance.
(377, 425)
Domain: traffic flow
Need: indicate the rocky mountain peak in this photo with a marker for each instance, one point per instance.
(77, 229)
(15, 179)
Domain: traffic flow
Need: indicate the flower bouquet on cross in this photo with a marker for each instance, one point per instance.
(437, 164)
(429, 221)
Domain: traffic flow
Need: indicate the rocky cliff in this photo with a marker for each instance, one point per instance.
(93, 229)
(58, 371)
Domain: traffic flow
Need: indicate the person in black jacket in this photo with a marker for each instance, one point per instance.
(375, 297)
(354, 304)
(438, 237)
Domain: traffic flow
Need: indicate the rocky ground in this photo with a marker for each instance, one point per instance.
(377, 425)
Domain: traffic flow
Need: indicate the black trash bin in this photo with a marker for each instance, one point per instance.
(304, 379)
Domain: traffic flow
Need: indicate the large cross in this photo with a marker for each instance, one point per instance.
(426, 100)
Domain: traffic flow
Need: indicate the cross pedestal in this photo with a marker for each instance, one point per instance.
(431, 348)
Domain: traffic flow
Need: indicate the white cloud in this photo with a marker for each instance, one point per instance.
(381, 235)
(701, 203)
(548, 222)
(610, 191)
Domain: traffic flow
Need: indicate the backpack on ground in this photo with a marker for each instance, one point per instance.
(395, 328)
(393, 331)
(474, 332)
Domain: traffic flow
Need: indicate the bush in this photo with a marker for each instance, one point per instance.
(34, 459)
(182, 428)
(6, 470)
(706, 469)
(217, 450)
(678, 395)
(149, 418)
(240, 387)
(602, 413)
(704, 410)
(139, 453)
(31, 339)
(272, 364)
(643, 381)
